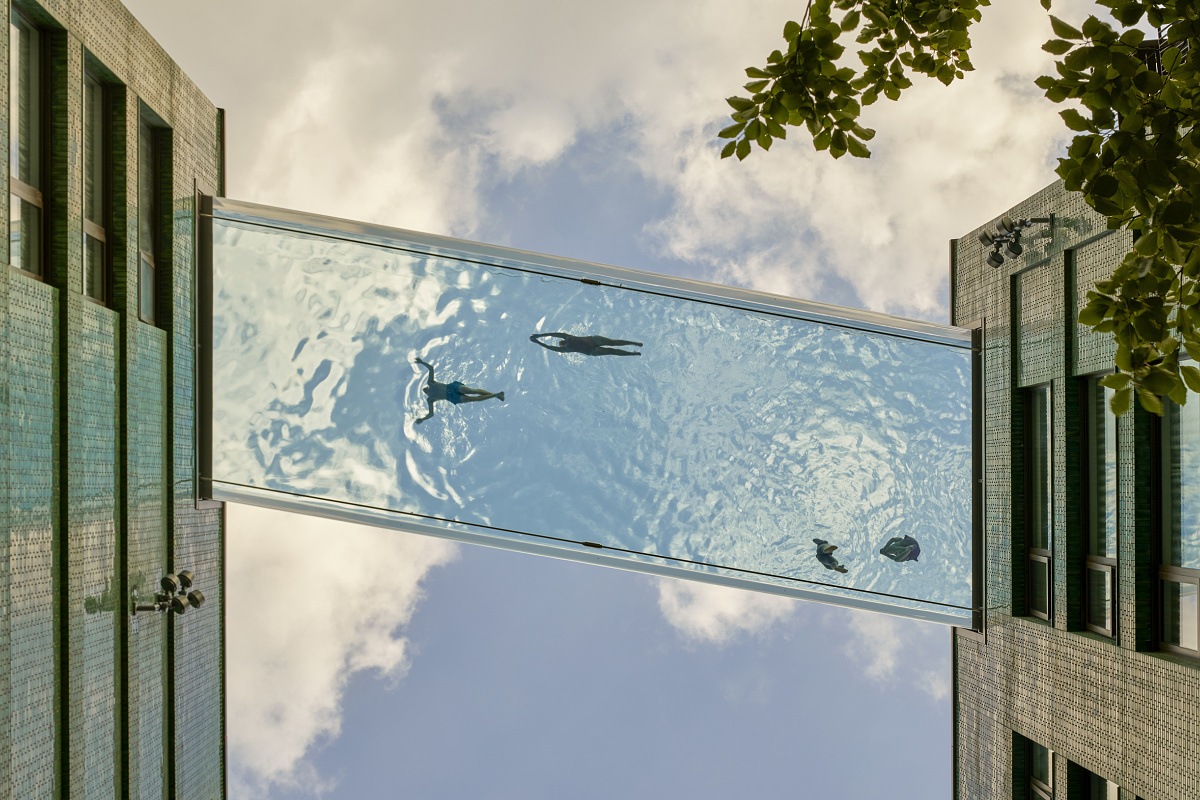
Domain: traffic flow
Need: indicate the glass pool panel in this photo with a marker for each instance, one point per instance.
(527, 402)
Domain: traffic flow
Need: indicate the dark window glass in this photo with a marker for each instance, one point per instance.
(1101, 554)
(1041, 771)
(95, 191)
(1041, 497)
(147, 222)
(1179, 544)
(25, 145)
(1100, 789)
(1039, 598)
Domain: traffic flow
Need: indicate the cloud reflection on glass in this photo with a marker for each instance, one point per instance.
(351, 371)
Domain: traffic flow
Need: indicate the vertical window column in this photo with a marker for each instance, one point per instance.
(1179, 540)
(1041, 772)
(1100, 560)
(96, 281)
(1040, 516)
(26, 170)
(147, 222)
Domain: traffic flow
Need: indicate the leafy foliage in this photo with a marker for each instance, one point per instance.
(1133, 105)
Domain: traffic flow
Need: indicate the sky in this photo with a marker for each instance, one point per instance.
(362, 660)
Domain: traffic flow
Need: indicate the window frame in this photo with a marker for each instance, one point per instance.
(90, 227)
(148, 134)
(1091, 562)
(1159, 519)
(1035, 554)
(1037, 789)
(31, 194)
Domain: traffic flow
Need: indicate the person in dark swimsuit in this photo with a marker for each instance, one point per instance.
(826, 557)
(455, 392)
(898, 549)
(587, 345)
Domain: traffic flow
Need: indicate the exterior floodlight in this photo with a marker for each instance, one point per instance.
(171, 598)
(1014, 248)
(986, 238)
(994, 259)
(1006, 225)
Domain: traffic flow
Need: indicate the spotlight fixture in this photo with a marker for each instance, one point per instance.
(174, 595)
(1008, 236)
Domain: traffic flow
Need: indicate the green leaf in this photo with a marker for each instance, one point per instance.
(755, 72)
(857, 148)
(1191, 377)
(1121, 401)
(1147, 244)
(764, 141)
(754, 87)
(1091, 315)
(1075, 121)
(740, 103)
(850, 21)
(1104, 185)
(1116, 381)
(1063, 30)
(731, 131)
(1057, 46)
(791, 30)
(1149, 401)
(1193, 350)
(727, 150)
(1171, 58)
(1046, 4)
(743, 149)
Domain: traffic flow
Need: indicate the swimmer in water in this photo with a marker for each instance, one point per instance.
(906, 549)
(826, 557)
(587, 345)
(452, 392)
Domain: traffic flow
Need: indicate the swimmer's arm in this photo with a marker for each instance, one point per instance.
(427, 416)
(427, 366)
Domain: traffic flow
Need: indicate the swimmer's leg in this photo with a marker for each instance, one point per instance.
(609, 351)
(604, 340)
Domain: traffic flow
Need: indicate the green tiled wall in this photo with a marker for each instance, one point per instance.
(33, 487)
(1106, 705)
(96, 438)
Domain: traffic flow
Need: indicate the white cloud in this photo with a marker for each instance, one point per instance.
(875, 644)
(310, 603)
(402, 113)
(892, 649)
(715, 615)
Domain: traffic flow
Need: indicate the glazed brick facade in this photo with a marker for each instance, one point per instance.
(1114, 707)
(97, 430)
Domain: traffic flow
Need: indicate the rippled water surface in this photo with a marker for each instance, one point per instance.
(734, 438)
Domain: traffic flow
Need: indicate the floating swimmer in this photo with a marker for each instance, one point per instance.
(906, 549)
(826, 557)
(587, 345)
(452, 392)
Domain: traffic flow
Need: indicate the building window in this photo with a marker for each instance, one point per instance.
(1100, 559)
(96, 281)
(1100, 789)
(1039, 516)
(1179, 540)
(1041, 772)
(148, 223)
(26, 170)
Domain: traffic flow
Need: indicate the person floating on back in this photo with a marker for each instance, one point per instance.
(826, 557)
(587, 345)
(905, 549)
(454, 392)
